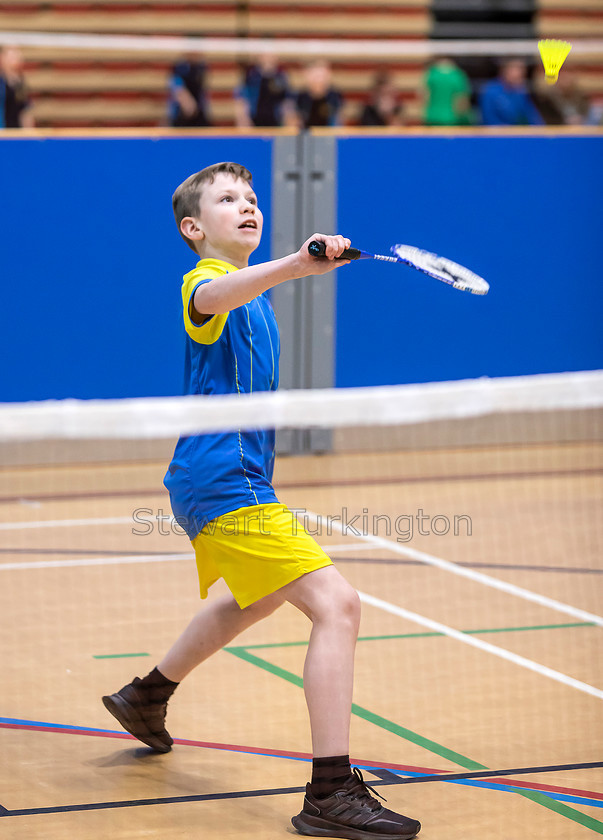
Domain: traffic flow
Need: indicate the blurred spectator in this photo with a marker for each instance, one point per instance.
(595, 112)
(318, 103)
(383, 107)
(448, 93)
(187, 106)
(15, 105)
(264, 98)
(506, 100)
(564, 104)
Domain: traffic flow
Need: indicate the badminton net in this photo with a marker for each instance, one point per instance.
(467, 514)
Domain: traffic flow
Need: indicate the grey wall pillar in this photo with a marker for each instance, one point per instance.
(303, 202)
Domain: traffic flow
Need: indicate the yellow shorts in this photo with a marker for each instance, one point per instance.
(256, 550)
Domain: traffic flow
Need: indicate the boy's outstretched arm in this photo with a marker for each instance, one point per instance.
(232, 290)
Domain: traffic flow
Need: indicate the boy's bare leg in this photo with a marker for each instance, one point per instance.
(140, 707)
(337, 801)
(210, 630)
(333, 607)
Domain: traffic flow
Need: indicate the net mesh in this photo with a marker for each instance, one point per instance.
(466, 515)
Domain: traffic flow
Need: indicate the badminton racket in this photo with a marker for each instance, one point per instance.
(443, 269)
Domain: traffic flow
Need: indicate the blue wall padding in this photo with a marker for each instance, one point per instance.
(525, 212)
(92, 261)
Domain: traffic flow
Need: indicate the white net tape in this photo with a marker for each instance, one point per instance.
(308, 48)
(168, 417)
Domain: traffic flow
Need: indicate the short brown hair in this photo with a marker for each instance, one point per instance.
(187, 196)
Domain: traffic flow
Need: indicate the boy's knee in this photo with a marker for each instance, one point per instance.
(328, 599)
(351, 605)
(345, 606)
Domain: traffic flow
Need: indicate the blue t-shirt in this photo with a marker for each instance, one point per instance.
(233, 353)
(321, 110)
(265, 93)
(504, 105)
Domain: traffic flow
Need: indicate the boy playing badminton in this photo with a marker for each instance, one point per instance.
(226, 479)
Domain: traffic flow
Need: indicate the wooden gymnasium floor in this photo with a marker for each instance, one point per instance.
(86, 604)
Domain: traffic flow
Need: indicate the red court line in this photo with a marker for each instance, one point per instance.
(496, 779)
(549, 788)
(297, 755)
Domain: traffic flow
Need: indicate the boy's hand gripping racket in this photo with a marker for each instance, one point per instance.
(441, 268)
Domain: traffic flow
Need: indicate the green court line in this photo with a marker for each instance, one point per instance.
(118, 655)
(438, 749)
(431, 634)
(563, 810)
(414, 738)
(382, 722)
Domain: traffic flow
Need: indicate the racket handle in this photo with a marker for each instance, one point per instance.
(317, 249)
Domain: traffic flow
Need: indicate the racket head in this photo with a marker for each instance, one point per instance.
(441, 268)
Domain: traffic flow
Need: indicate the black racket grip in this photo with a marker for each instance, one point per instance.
(317, 249)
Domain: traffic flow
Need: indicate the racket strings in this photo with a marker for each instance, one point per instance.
(385, 258)
(442, 269)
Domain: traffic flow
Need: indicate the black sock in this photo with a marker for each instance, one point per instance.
(328, 774)
(157, 687)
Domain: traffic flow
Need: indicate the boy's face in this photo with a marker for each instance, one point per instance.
(229, 219)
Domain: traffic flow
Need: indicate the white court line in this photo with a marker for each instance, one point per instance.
(65, 523)
(125, 560)
(339, 548)
(463, 571)
(369, 599)
(479, 643)
(121, 559)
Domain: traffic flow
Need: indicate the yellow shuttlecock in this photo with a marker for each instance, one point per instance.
(553, 54)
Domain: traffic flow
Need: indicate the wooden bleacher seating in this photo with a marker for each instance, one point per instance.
(570, 20)
(106, 88)
(81, 88)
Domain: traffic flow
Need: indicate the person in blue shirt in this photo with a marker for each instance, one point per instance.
(221, 492)
(506, 99)
(318, 103)
(263, 99)
(15, 104)
(187, 103)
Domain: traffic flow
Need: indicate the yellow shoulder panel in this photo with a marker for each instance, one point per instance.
(205, 271)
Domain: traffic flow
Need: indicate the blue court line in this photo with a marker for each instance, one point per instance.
(509, 788)
(578, 800)
(46, 725)
(124, 736)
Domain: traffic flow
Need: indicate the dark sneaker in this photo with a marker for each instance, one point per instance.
(140, 717)
(354, 814)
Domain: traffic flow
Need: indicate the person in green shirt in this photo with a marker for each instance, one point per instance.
(447, 95)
